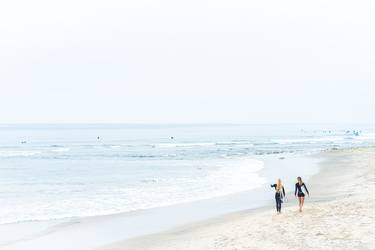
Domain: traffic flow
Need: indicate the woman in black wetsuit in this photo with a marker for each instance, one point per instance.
(279, 194)
(299, 192)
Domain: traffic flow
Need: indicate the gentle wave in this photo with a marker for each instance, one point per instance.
(19, 153)
(366, 136)
(308, 140)
(235, 143)
(61, 150)
(176, 145)
(230, 176)
(72, 175)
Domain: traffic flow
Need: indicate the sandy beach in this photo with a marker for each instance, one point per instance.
(165, 125)
(339, 215)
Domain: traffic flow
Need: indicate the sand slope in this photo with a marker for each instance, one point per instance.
(339, 215)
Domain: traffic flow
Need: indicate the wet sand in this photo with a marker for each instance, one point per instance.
(339, 215)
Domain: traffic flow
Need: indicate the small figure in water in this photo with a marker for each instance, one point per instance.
(298, 192)
(98, 138)
(279, 194)
(172, 137)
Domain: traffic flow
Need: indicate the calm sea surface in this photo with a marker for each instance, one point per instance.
(60, 171)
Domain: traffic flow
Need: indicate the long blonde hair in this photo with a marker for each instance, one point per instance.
(279, 185)
(299, 179)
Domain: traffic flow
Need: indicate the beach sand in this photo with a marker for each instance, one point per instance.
(339, 215)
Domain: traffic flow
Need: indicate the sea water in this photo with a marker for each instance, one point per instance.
(61, 171)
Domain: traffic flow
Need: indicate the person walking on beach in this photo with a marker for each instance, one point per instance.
(299, 192)
(279, 194)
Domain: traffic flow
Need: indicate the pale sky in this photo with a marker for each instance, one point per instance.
(197, 61)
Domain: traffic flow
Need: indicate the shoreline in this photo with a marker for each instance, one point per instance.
(33, 234)
(271, 161)
(333, 199)
(109, 232)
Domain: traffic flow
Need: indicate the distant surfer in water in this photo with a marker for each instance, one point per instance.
(279, 194)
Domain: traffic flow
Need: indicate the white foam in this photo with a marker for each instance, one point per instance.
(237, 143)
(238, 176)
(366, 136)
(227, 177)
(15, 153)
(309, 140)
(61, 150)
(175, 145)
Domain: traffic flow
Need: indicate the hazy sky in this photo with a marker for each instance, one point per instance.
(187, 61)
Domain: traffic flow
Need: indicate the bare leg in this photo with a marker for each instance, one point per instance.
(302, 202)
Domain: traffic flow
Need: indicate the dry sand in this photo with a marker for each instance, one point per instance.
(339, 215)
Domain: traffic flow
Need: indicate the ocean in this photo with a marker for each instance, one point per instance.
(56, 171)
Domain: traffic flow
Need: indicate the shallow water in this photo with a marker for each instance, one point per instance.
(58, 171)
